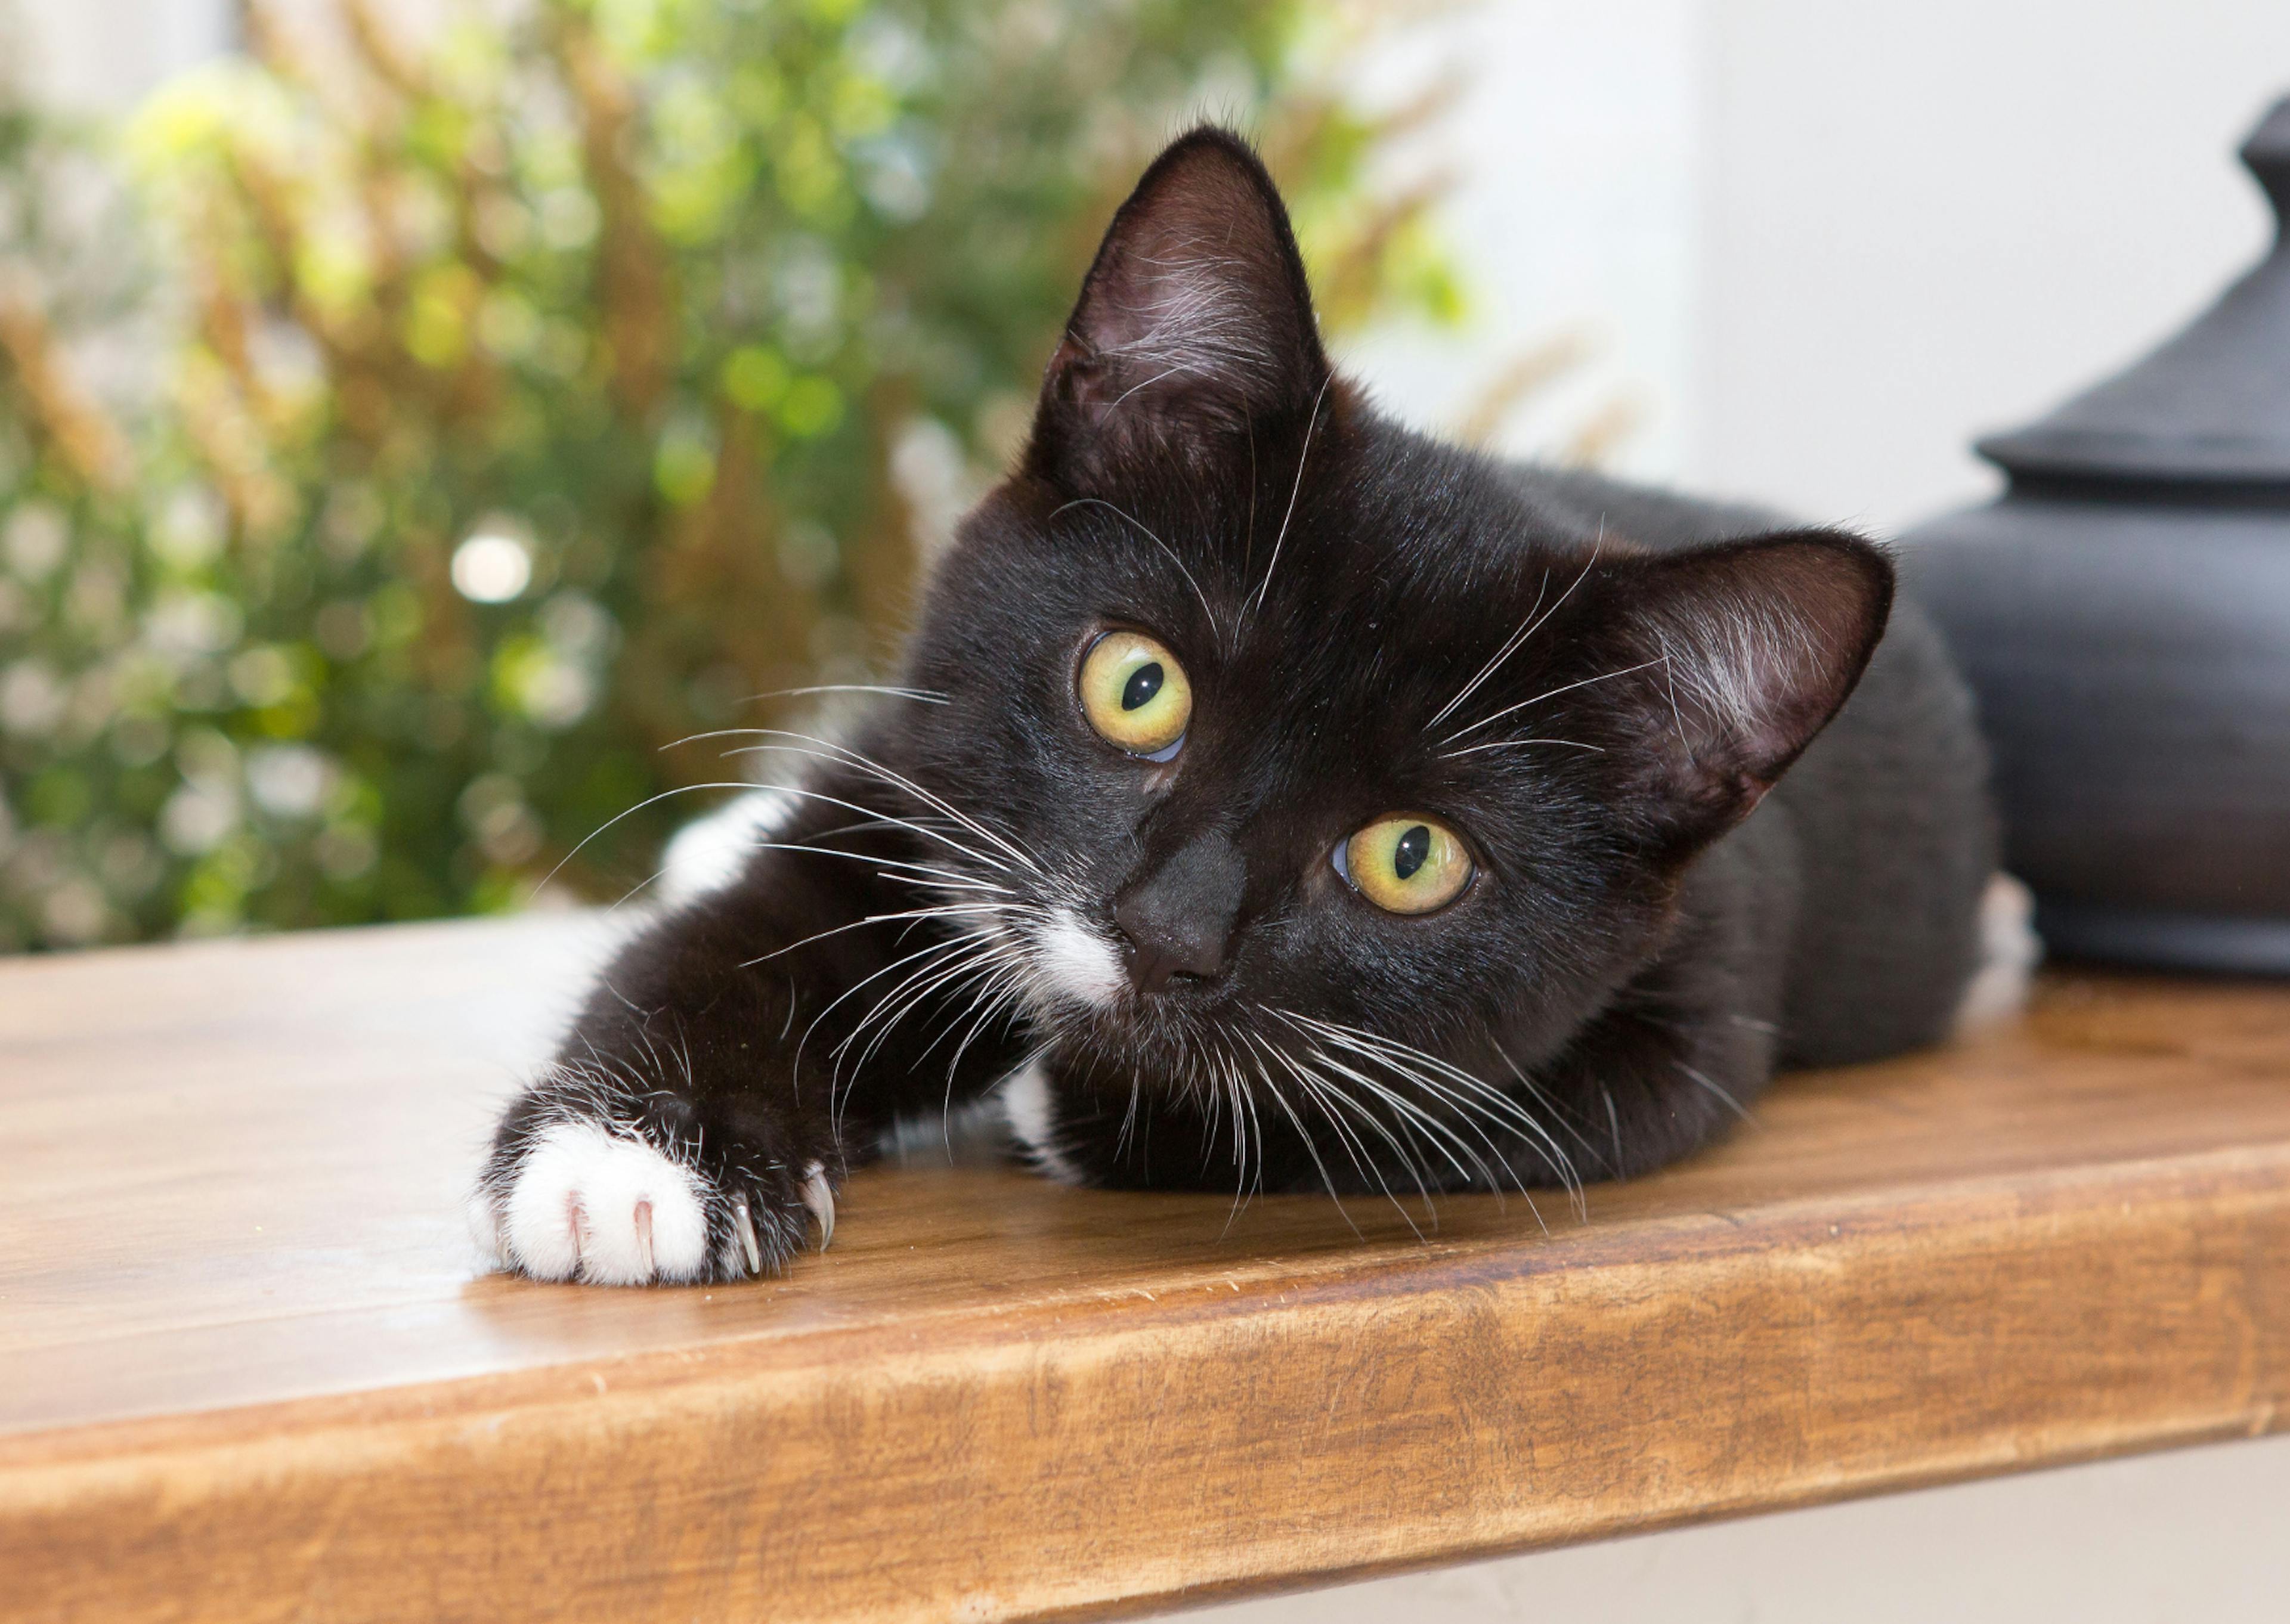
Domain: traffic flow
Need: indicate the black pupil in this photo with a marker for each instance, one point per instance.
(1143, 683)
(1408, 855)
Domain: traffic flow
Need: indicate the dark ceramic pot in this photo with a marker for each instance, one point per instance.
(2124, 614)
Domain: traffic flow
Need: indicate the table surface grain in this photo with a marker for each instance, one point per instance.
(249, 1367)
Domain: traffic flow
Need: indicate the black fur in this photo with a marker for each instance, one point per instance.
(1635, 955)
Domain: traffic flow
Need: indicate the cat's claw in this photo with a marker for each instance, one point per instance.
(642, 1220)
(819, 1195)
(743, 1226)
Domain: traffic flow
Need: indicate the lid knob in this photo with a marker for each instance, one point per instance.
(2267, 154)
(2208, 411)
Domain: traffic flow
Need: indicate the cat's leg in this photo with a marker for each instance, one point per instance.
(743, 1053)
(1118, 1135)
(1344, 1125)
(1652, 1079)
(1637, 1091)
(1680, 1051)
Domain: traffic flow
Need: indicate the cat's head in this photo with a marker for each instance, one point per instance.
(1285, 729)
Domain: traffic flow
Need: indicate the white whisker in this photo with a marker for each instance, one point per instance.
(844, 753)
(1518, 744)
(927, 695)
(1458, 1085)
(948, 910)
(1730, 1103)
(1207, 613)
(1511, 645)
(1311, 423)
(1534, 623)
(1552, 694)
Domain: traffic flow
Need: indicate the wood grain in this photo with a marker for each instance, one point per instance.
(248, 1370)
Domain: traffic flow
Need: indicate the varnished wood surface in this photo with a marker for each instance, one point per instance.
(248, 1370)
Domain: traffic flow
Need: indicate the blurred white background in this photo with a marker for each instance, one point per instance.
(1823, 245)
(1805, 250)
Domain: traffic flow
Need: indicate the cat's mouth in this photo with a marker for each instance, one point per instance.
(1083, 987)
(1080, 982)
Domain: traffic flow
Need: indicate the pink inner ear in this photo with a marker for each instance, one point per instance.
(1754, 646)
(1764, 677)
(1195, 316)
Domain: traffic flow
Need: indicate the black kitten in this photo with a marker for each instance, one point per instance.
(1280, 800)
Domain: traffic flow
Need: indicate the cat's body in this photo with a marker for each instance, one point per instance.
(1879, 844)
(1281, 800)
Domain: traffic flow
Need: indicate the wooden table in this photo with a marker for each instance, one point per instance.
(248, 1369)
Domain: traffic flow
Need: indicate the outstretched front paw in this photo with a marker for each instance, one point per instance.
(611, 1201)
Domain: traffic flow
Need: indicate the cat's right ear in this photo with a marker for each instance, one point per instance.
(1194, 325)
(1729, 659)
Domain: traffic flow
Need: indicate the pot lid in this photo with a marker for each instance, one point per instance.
(2211, 406)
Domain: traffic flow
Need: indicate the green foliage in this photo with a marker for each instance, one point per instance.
(513, 408)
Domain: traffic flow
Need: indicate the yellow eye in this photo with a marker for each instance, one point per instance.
(1135, 694)
(1406, 864)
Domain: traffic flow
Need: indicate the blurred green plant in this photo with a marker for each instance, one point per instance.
(514, 406)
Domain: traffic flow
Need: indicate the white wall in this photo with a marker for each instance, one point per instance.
(1569, 150)
(1923, 220)
(103, 54)
(1826, 243)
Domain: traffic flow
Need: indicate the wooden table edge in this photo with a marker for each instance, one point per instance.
(2092, 1311)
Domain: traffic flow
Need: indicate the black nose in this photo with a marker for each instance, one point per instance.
(1178, 919)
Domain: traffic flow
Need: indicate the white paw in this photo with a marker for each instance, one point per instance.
(581, 1202)
(588, 1205)
(2009, 952)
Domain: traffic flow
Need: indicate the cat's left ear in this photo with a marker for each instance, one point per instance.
(1194, 323)
(1731, 658)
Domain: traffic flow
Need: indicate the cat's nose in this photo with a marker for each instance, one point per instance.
(1178, 920)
